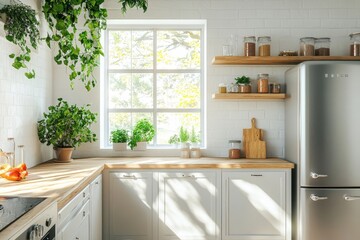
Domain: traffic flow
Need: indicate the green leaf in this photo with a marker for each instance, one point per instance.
(12, 55)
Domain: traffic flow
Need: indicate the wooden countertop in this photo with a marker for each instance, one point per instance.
(61, 182)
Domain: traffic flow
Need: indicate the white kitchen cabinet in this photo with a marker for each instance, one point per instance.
(256, 205)
(96, 209)
(188, 205)
(74, 218)
(128, 205)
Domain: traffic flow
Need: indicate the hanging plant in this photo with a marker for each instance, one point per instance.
(21, 28)
(78, 50)
(133, 3)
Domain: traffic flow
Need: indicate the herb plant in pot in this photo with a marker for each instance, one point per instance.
(244, 84)
(65, 127)
(142, 133)
(119, 138)
(184, 137)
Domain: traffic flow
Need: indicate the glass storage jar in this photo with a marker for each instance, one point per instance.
(264, 45)
(322, 46)
(249, 46)
(263, 83)
(307, 46)
(234, 151)
(355, 44)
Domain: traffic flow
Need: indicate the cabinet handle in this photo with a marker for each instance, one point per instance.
(96, 182)
(84, 194)
(188, 176)
(84, 213)
(316, 175)
(77, 238)
(317, 198)
(256, 175)
(130, 176)
(351, 198)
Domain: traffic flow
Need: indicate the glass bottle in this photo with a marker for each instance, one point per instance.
(264, 45)
(322, 46)
(307, 46)
(355, 44)
(249, 46)
(234, 151)
(263, 83)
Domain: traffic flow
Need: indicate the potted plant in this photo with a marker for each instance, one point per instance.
(184, 137)
(119, 138)
(21, 28)
(244, 84)
(142, 133)
(66, 127)
(174, 139)
(195, 144)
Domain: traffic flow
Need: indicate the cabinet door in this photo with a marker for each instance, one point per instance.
(189, 205)
(96, 209)
(254, 205)
(130, 205)
(78, 226)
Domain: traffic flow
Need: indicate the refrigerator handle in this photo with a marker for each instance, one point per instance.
(351, 198)
(316, 175)
(317, 198)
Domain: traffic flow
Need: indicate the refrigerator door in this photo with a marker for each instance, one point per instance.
(330, 124)
(329, 214)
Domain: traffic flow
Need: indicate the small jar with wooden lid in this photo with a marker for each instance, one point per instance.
(264, 45)
(263, 83)
(307, 46)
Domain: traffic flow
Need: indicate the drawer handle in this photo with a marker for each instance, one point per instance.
(84, 194)
(351, 198)
(130, 176)
(84, 213)
(188, 176)
(317, 198)
(256, 175)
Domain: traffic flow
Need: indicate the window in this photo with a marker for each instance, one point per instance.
(155, 70)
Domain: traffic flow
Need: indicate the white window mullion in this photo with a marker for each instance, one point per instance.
(155, 82)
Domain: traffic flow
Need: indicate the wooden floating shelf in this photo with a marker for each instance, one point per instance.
(251, 96)
(276, 60)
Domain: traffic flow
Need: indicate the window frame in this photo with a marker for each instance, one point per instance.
(104, 74)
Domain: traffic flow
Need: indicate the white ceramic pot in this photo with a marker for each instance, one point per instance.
(119, 146)
(140, 146)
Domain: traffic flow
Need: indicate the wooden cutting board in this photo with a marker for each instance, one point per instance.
(257, 149)
(250, 135)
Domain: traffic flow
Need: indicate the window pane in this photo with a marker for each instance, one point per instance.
(130, 49)
(180, 90)
(169, 124)
(126, 120)
(128, 90)
(178, 49)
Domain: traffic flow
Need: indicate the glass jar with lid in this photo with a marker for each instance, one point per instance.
(234, 150)
(355, 44)
(307, 47)
(249, 46)
(263, 83)
(322, 46)
(264, 45)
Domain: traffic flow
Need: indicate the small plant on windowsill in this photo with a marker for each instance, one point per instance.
(119, 138)
(194, 138)
(21, 28)
(142, 133)
(244, 84)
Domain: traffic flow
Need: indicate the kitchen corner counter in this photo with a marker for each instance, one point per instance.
(61, 182)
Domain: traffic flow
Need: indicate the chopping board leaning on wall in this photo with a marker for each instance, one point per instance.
(254, 146)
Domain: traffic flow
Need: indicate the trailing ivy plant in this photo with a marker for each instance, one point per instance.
(78, 50)
(21, 28)
(133, 3)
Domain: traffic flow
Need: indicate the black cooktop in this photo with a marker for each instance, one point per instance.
(11, 208)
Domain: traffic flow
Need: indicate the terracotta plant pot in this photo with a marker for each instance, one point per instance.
(63, 155)
(245, 88)
(119, 146)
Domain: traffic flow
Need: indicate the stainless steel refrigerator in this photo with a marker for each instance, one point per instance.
(322, 136)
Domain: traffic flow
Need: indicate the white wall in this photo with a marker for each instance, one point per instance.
(22, 100)
(284, 20)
